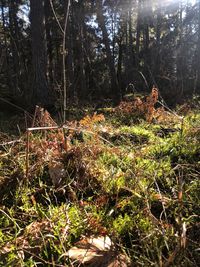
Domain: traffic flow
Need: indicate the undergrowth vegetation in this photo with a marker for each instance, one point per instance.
(104, 175)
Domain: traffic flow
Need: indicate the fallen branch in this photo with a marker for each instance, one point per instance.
(11, 142)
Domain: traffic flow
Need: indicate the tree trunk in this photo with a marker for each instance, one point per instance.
(197, 80)
(138, 34)
(41, 94)
(156, 66)
(6, 46)
(130, 49)
(180, 53)
(70, 57)
(110, 61)
(81, 40)
(119, 64)
(130, 35)
(48, 26)
(14, 41)
(146, 33)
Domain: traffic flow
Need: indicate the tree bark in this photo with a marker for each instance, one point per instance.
(70, 56)
(14, 41)
(156, 67)
(48, 27)
(197, 80)
(41, 94)
(110, 61)
(138, 34)
(81, 40)
(6, 46)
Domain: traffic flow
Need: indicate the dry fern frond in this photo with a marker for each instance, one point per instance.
(89, 121)
(140, 107)
(42, 118)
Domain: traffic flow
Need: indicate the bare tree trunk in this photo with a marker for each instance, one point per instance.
(130, 49)
(113, 76)
(138, 34)
(41, 93)
(180, 52)
(48, 26)
(65, 89)
(8, 68)
(119, 64)
(156, 67)
(14, 41)
(82, 92)
(146, 32)
(197, 80)
(130, 36)
(70, 57)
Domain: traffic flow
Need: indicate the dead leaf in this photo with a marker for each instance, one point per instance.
(97, 251)
(57, 172)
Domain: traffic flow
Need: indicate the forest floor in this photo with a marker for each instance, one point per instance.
(119, 187)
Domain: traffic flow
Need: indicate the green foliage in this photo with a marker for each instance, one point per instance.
(122, 225)
(77, 225)
(180, 148)
(140, 193)
(141, 134)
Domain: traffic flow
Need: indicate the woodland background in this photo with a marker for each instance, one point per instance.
(97, 50)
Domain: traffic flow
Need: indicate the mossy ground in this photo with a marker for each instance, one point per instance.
(137, 183)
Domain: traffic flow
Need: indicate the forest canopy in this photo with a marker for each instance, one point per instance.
(97, 49)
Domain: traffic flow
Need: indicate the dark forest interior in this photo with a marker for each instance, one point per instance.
(98, 50)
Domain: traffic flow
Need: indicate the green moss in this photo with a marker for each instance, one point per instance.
(141, 134)
(180, 149)
(77, 224)
(123, 224)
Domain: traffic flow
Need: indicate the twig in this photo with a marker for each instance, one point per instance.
(162, 200)
(15, 223)
(56, 17)
(11, 142)
(66, 128)
(43, 128)
(171, 258)
(144, 79)
(170, 110)
(64, 63)
(27, 153)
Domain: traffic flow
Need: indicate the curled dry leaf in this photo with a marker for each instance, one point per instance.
(57, 172)
(97, 251)
(89, 248)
